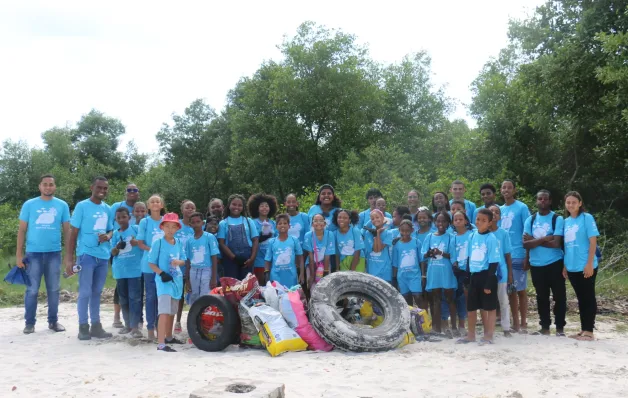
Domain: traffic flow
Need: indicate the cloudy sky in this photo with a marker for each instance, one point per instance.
(142, 61)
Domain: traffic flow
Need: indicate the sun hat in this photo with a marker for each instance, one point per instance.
(170, 217)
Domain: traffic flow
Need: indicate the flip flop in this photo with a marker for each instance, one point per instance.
(464, 340)
(485, 342)
(585, 337)
(575, 336)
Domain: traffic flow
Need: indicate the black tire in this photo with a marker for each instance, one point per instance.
(334, 329)
(230, 324)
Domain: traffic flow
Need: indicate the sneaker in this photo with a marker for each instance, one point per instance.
(507, 333)
(541, 332)
(449, 334)
(56, 326)
(124, 330)
(136, 334)
(174, 340)
(560, 333)
(177, 327)
(28, 329)
(117, 324)
(166, 349)
(98, 332)
(456, 333)
(140, 326)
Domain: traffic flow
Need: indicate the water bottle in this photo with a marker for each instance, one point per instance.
(75, 270)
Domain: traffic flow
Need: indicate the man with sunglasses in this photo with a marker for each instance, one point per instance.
(132, 196)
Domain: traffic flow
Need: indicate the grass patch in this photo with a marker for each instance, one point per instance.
(11, 295)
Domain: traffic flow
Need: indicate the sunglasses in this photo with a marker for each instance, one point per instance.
(132, 190)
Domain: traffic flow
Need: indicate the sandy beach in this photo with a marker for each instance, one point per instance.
(47, 364)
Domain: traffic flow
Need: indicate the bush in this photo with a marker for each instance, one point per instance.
(8, 228)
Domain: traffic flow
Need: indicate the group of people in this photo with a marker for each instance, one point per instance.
(451, 258)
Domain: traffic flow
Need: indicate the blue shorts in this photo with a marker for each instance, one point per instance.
(409, 283)
(519, 276)
(459, 300)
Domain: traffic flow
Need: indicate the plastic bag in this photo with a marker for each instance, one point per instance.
(274, 332)
(248, 334)
(420, 321)
(371, 315)
(408, 338)
(270, 296)
(234, 290)
(292, 310)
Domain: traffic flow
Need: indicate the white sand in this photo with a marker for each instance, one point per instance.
(58, 364)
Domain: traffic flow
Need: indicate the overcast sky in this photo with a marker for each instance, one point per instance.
(142, 61)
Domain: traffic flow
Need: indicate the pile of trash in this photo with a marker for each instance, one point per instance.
(280, 320)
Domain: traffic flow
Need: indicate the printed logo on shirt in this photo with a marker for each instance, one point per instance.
(295, 230)
(408, 259)
(462, 251)
(570, 233)
(127, 247)
(346, 248)
(198, 255)
(507, 220)
(284, 256)
(157, 234)
(46, 218)
(479, 252)
(100, 223)
(440, 247)
(540, 231)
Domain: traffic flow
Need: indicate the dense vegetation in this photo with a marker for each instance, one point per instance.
(551, 109)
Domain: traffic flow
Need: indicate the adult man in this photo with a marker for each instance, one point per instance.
(41, 221)
(132, 195)
(487, 193)
(543, 237)
(514, 215)
(457, 190)
(92, 224)
(414, 204)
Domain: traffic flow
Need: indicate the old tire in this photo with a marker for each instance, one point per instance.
(229, 324)
(334, 329)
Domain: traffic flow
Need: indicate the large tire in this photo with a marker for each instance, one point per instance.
(343, 335)
(229, 325)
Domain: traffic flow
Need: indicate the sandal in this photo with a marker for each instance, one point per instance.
(464, 340)
(575, 336)
(117, 324)
(485, 342)
(585, 337)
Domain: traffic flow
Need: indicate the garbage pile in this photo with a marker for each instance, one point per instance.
(350, 311)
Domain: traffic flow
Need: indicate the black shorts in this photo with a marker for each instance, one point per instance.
(477, 299)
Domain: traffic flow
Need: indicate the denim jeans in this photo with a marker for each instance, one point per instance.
(129, 293)
(91, 282)
(49, 265)
(151, 300)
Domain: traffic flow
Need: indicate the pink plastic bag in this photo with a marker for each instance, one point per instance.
(293, 311)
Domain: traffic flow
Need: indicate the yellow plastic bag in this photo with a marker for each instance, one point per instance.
(420, 321)
(369, 316)
(274, 333)
(407, 339)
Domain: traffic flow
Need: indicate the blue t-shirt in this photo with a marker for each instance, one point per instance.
(282, 256)
(200, 251)
(316, 209)
(115, 207)
(469, 208)
(161, 254)
(475, 213)
(271, 228)
(577, 233)
(420, 236)
(387, 221)
(541, 256)
(249, 228)
(503, 240)
(405, 257)
(378, 264)
(184, 233)
(44, 219)
(364, 219)
(513, 219)
(347, 244)
(324, 247)
(127, 264)
(149, 232)
(299, 225)
(92, 219)
(483, 250)
(444, 243)
(461, 243)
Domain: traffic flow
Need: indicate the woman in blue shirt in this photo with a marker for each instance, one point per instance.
(580, 261)
(262, 208)
(326, 204)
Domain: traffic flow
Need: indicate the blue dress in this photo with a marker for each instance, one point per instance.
(440, 273)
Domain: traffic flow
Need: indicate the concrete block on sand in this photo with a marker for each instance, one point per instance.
(240, 388)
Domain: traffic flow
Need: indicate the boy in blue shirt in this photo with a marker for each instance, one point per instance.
(483, 260)
(283, 256)
(543, 238)
(166, 257)
(127, 271)
(202, 260)
(92, 226)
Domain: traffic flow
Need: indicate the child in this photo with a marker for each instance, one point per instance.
(148, 233)
(581, 261)
(483, 260)
(505, 269)
(262, 208)
(215, 208)
(456, 206)
(405, 261)
(299, 222)
(436, 263)
(166, 257)
(126, 270)
(380, 204)
(440, 203)
(139, 212)
(487, 193)
(543, 238)
(371, 197)
(237, 239)
(348, 241)
(398, 216)
(377, 242)
(283, 256)
(514, 214)
(457, 190)
(184, 234)
(424, 219)
(326, 204)
(413, 206)
(319, 245)
(202, 262)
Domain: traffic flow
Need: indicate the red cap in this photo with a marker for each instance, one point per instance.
(170, 217)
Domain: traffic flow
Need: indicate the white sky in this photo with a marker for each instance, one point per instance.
(142, 61)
